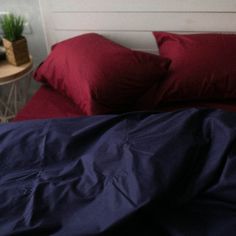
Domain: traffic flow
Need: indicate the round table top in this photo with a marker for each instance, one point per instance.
(10, 72)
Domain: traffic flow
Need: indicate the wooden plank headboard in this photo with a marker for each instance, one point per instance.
(130, 22)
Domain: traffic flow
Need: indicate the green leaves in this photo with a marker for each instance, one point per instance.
(12, 26)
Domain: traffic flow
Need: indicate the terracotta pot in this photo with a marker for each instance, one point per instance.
(17, 51)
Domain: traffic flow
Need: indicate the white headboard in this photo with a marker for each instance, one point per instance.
(130, 22)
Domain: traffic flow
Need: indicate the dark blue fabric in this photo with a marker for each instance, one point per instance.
(168, 173)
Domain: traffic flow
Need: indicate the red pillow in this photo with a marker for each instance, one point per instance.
(203, 66)
(100, 75)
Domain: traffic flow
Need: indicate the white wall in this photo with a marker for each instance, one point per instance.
(130, 22)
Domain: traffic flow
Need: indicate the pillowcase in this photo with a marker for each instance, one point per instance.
(100, 75)
(203, 66)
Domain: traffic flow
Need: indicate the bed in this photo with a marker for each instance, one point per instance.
(119, 141)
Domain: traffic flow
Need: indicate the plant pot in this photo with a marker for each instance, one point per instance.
(17, 51)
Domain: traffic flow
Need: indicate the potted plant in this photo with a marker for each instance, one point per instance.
(14, 42)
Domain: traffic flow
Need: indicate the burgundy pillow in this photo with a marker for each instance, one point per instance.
(100, 75)
(203, 66)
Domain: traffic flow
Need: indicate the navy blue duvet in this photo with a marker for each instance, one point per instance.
(168, 173)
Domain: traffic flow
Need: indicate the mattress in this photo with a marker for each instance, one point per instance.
(47, 103)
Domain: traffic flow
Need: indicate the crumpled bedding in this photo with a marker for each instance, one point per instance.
(149, 173)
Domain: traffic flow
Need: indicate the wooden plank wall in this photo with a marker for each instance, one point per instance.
(130, 22)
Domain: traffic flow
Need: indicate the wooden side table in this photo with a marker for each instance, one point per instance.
(14, 86)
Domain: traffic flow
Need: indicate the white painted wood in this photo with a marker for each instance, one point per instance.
(145, 22)
(45, 15)
(134, 40)
(143, 5)
(130, 22)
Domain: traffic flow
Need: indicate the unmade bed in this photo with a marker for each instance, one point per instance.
(137, 150)
(131, 136)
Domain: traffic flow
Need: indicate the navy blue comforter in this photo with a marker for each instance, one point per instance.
(168, 173)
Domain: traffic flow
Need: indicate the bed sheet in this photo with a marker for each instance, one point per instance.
(48, 103)
(229, 105)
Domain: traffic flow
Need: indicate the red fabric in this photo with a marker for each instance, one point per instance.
(172, 106)
(99, 75)
(203, 67)
(48, 103)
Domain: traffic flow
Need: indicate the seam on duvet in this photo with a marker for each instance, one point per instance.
(123, 193)
(42, 151)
